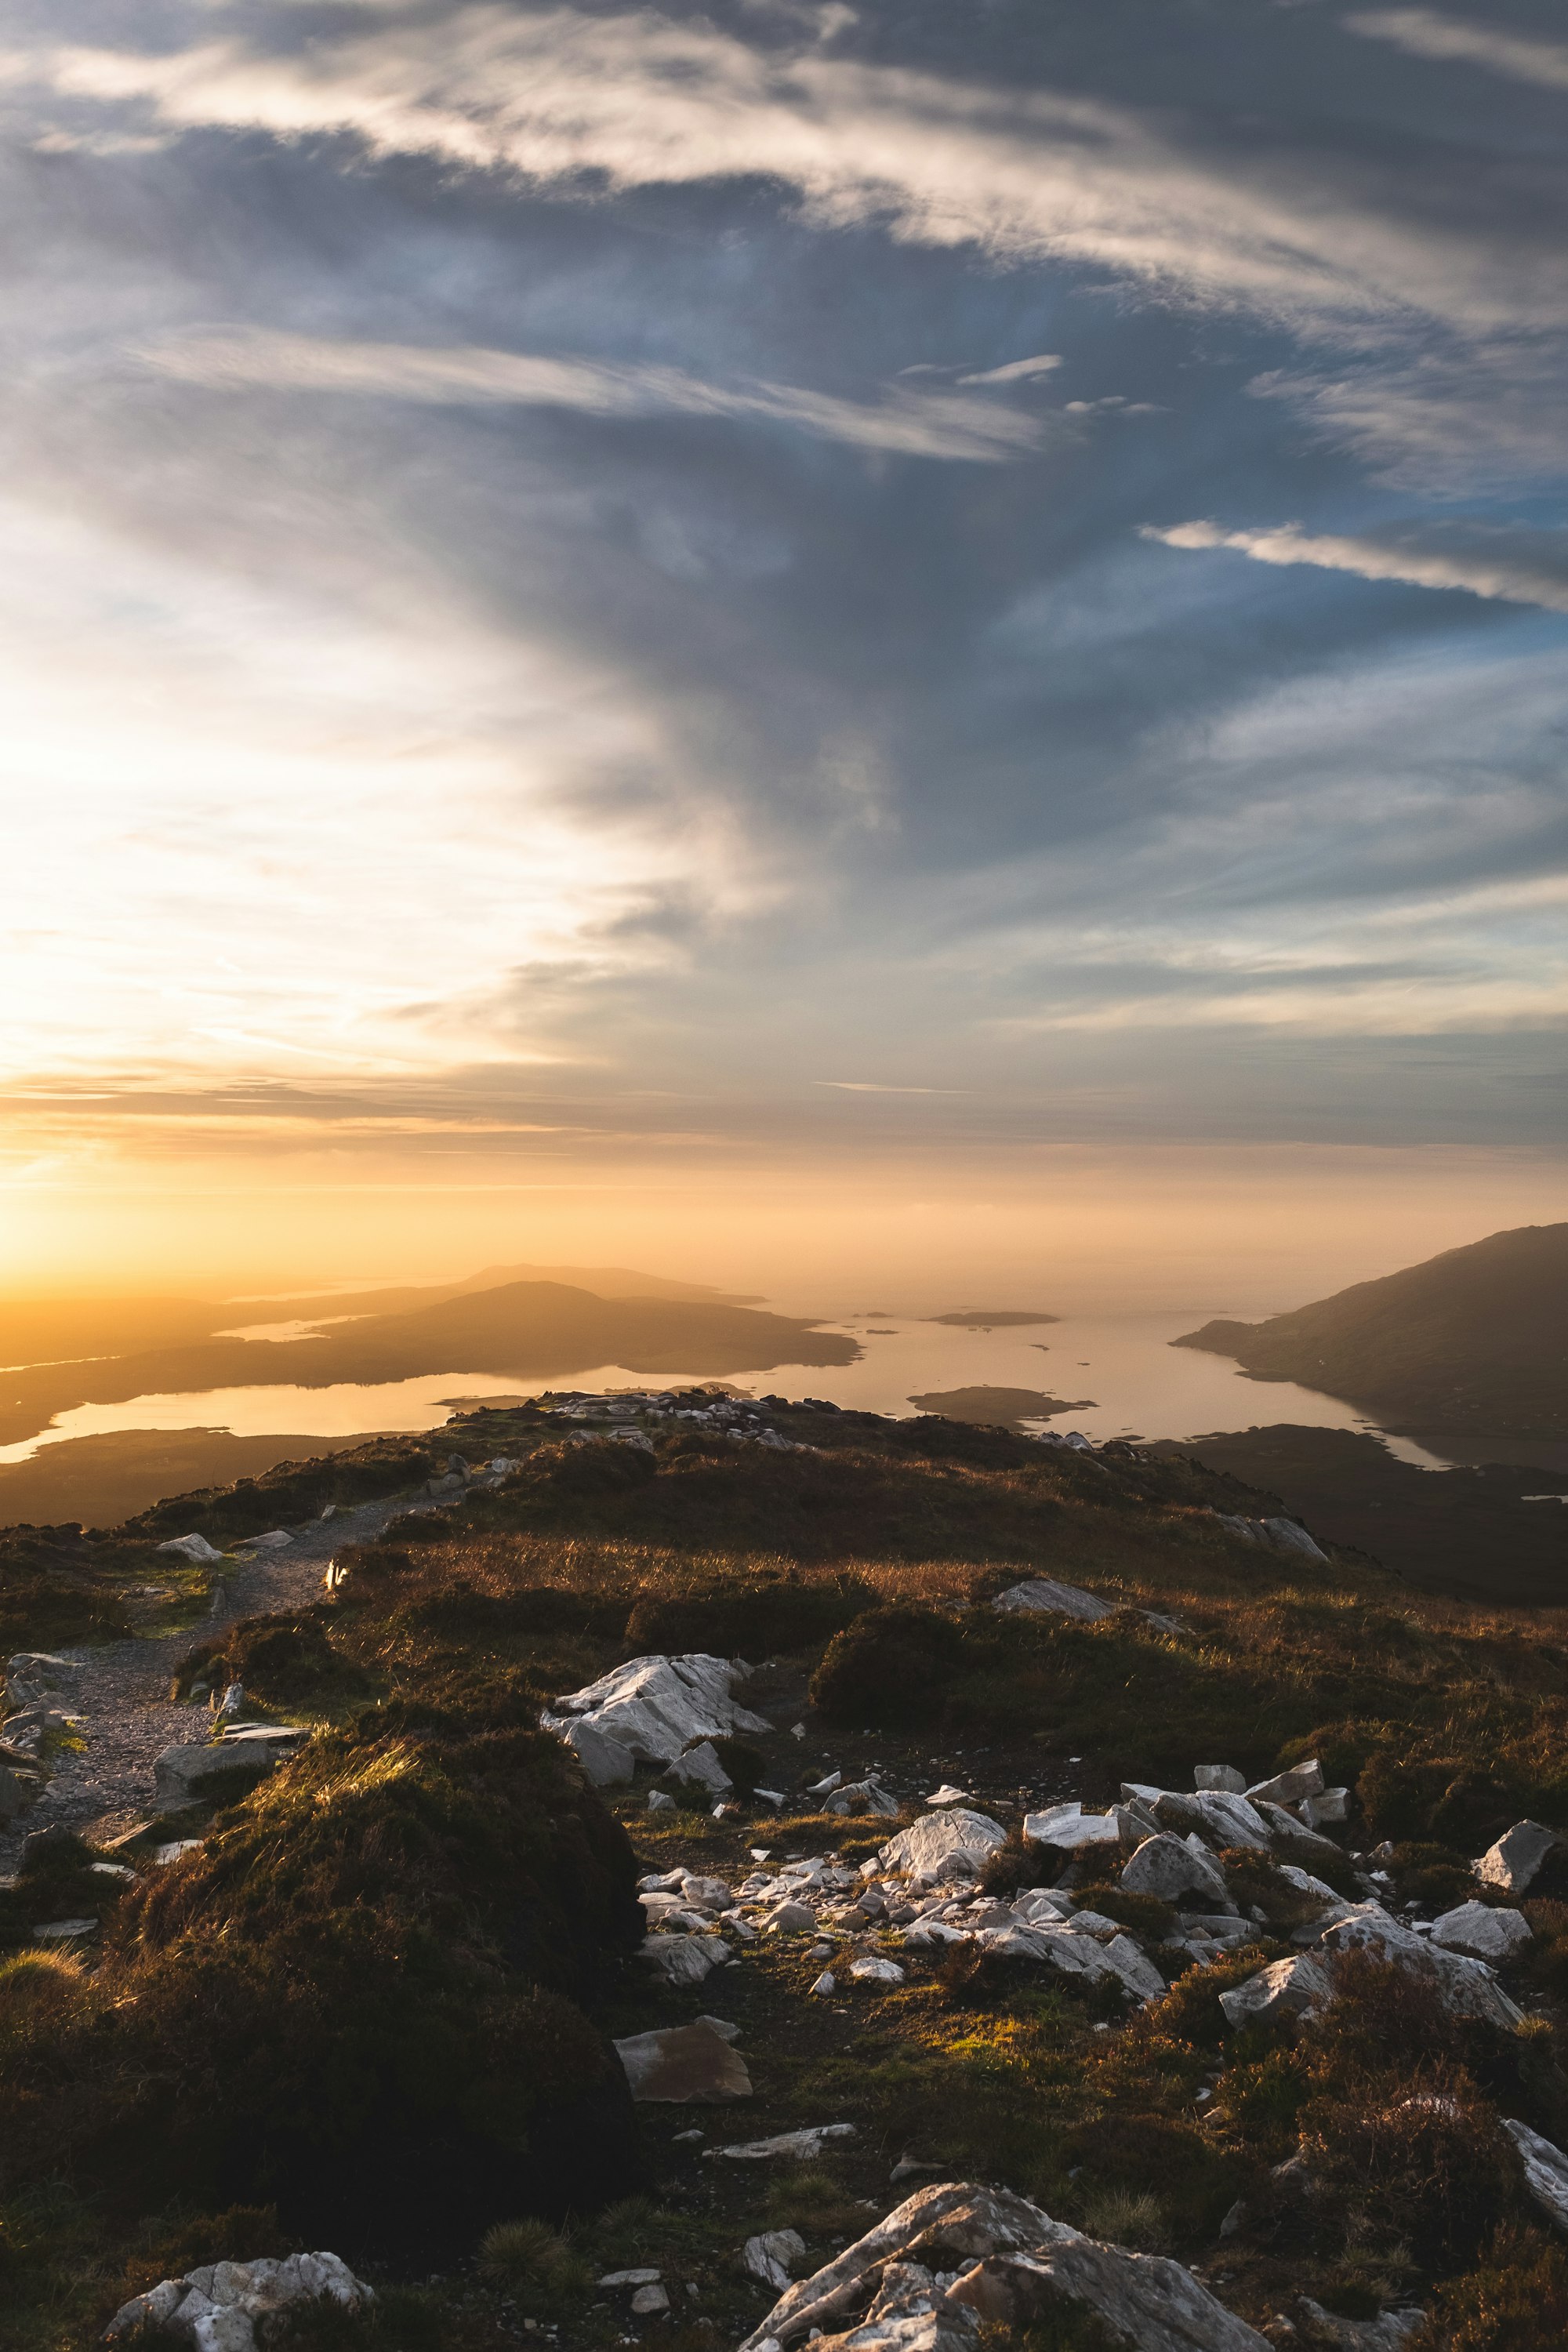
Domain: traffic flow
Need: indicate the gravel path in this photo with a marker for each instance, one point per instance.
(128, 1715)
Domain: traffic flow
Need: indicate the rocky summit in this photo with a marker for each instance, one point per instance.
(730, 1873)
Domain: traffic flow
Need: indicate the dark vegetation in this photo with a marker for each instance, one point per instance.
(1463, 1531)
(372, 2011)
(1475, 1341)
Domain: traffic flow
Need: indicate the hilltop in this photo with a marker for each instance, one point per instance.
(1475, 1341)
(385, 1995)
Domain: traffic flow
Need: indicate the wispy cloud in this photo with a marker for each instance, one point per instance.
(903, 424)
(1493, 564)
(1424, 33)
(637, 100)
(1017, 370)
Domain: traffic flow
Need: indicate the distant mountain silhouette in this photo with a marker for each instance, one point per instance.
(524, 1330)
(1475, 1340)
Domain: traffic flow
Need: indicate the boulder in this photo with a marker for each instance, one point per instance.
(216, 2306)
(1290, 1787)
(191, 1547)
(1545, 2170)
(1229, 1820)
(774, 2257)
(683, 1960)
(1511, 1865)
(1168, 1868)
(1386, 2333)
(1329, 1805)
(658, 1707)
(1288, 1535)
(1220, 1776)
(1069, 1829)
(1042, 1596)
(936, 1838)
(1467, 1986)
(607, 1762)
(1285, 1988)
(684, 2065)
(1016, 2269)
(209, 1773)
(700, 1768)
(1485, 1933)
(790, 1919)
(32, 1675)
(652, 2298)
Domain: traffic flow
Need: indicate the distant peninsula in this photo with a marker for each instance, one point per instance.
(1472, 1343)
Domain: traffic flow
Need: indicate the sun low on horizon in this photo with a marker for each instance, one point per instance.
(787, 644)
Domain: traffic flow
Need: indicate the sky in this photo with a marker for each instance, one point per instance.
(796, 638)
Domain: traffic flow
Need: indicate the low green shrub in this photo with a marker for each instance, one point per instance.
(889, 1668)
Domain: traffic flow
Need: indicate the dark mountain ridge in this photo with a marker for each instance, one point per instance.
(1476, 1340)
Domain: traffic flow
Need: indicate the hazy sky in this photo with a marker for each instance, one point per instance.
(619, 602)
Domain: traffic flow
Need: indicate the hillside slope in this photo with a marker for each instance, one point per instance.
(1474, 1340)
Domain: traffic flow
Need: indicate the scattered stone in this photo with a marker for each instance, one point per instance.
(65, 1931)
(1386, 2333)
(1285, 1988)
(804, 2145)
(658, 1707)
(877, 1971)
(1290, 1787)
(1070, 1827)
(948, 1795)
(1167, 1867)
(684, 2066)
(683, 1960)
(1329, 1805)
(826, 1984)
(630, 2278)
(953, 2258)
(177, 1848)
(658, 1802)
(273, 1540)
(120, 1870)
(649, 2299)
(774, 2257)
(1467, 1986)
(1487, 1934)
(1042, 1595)
(1220, 1776)
(1545, 2170)
(215, 2307)
(1511, 1865)
(789, 1919)
(191, 1547)
(938, 1837)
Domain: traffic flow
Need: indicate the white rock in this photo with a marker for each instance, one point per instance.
(1467, 1986)
(802, 2145)
(1220, 1776)
(700, 1768)
(658, 1705)
(188, 1771)
(649, 2299)
(1330, 1805)
(774, 2257)
(1288, 1535)
(682, 1959)
(64, 1931)
(948, 1795)
(1285, 1988)
(826, 1984)
(1070, 1827)
(1168, 1868)
(955, 2256)
(644, 2277)
(822, 1788)
(1485, 1933)
(1230, 1820)
(194, 1548)
(1042, 1595)
(1545, 2170)
(1511, 1865)
(1288, 1787)
(606, 1763)
(273, 1540)
(789, 1919)
(223, 2331)
(659, 1802)
(935, 1838)
(177, 1848)
(876, 1970)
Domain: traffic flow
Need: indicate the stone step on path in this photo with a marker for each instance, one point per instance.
(127, 1717)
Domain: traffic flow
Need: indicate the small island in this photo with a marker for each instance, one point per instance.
(998, 1407)
(990, 1319)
